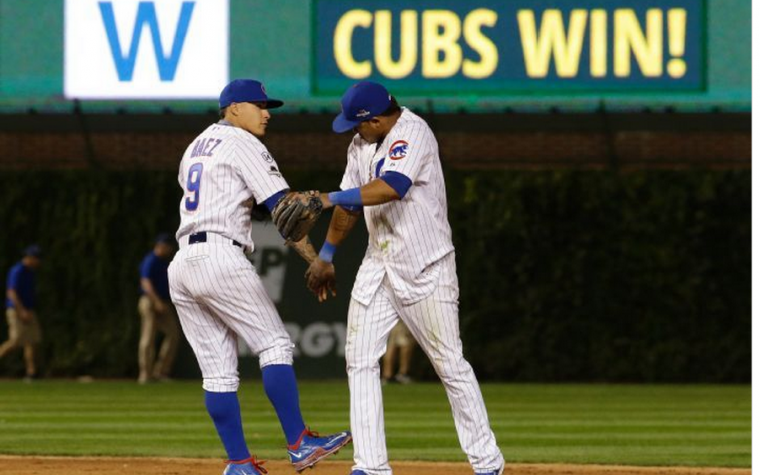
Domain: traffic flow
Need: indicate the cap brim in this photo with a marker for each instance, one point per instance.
(274, 103)
(342, 124)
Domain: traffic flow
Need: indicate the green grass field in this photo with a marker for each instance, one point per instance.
(607, 424)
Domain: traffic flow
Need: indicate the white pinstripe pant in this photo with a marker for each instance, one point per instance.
(434, 322)
(219, 295)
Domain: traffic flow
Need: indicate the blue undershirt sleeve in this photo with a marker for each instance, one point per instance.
(350, 197)
(13, 278)
(274, 199)
(398, 181)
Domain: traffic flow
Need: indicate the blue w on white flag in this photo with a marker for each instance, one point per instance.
(146, 49)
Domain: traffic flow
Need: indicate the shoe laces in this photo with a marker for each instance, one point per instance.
(257, 464)
(306, 432)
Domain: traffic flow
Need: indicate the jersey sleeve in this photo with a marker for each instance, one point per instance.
(13, 278)
(145, 268)
(409, 150)
(351, 177)
(258, 169)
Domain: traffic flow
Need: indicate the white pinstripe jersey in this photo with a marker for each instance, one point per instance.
(221, 171)
(409, 235)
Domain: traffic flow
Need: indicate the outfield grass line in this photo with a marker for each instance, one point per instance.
(392, 433)
(410, 428)
(632, 424)
(573, 427)
(569, 414)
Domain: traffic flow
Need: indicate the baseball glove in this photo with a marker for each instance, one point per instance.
(296, 213)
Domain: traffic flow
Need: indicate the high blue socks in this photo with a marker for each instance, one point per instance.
(224, 409)
(282, 390)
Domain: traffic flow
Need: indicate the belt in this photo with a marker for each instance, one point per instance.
(203, 236)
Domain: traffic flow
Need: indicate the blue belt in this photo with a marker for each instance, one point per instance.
(203, 237)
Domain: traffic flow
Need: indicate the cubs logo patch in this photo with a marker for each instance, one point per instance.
(398, 150)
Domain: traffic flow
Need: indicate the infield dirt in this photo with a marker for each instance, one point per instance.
(16, 465)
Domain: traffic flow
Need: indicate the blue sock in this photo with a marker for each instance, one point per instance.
(282, 390)
(224, 410)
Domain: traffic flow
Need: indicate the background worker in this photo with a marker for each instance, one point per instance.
(157, 313)
(21, 299)
(400, 347)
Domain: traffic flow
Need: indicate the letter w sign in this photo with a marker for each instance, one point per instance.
(143, 49)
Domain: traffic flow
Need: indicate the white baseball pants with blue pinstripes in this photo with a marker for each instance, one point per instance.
(219, 295)
(434, 322)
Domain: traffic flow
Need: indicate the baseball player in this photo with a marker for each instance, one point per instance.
(215, 288)
(156, 313)
(394, 176)
(21, 298)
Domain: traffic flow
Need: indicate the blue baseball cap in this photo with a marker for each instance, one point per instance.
(360, 103)
(33, 251)
(246, 90)
(164, 238)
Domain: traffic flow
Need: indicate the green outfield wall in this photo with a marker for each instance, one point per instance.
(445, 55)
(564, 276)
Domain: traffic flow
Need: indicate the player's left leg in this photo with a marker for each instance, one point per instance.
(366, 337)
(434, 322)
(247, 309)
(215, 348)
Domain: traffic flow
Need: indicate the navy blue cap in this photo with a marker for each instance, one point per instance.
(33, 251)
(360, 103)
(164, 238)
(246, 90)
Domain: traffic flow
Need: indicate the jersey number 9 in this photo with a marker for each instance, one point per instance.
(194, 186)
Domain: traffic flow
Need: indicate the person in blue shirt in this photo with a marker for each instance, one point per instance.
(20, 304)
(157, 313)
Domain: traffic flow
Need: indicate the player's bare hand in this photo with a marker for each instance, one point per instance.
(320, 279)
(326, 203)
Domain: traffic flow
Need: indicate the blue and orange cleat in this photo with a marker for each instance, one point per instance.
(310, 448)
(245, 467)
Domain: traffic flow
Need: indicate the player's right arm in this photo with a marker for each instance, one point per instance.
(21, 310)
(341, 224)
(320, 277)
(150, 292)
(411, 148)
(14, 277)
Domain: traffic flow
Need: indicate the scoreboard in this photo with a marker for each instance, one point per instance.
(462, 55)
